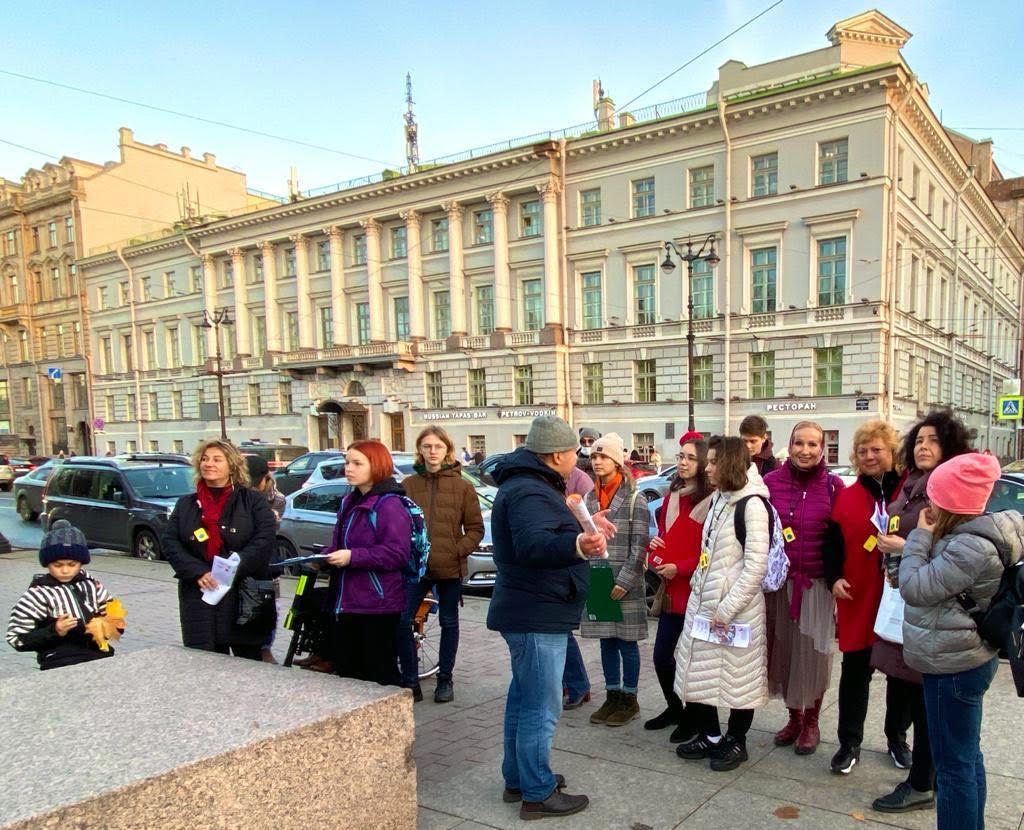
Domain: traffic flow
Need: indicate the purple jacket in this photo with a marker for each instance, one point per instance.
(373, 582)
(804, 502)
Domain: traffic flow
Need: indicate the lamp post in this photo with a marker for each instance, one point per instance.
(220, 317)
(667, 267)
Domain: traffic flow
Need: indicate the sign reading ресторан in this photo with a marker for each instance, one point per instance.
(794, 406)
(483, 414)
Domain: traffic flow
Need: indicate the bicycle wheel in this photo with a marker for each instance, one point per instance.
(426, 632)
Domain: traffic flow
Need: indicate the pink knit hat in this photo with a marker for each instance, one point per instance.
(964, 483)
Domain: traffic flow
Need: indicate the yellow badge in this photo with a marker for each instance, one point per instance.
(705, 560)
(871, 543)
(201, 535)
(894, 524)
(788, 534)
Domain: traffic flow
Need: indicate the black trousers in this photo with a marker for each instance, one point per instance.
(706, 720)
(670, 626)
(365, 647)
(922, 771)
(854, 687)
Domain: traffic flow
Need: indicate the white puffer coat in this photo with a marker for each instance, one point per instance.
(719, 675)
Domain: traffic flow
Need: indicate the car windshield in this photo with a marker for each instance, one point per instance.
(161, 482)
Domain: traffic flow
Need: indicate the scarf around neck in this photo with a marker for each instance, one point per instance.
(606, 492)
(675, 498)
(211, 505)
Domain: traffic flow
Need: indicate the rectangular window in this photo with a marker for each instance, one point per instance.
(644, 310)
(703, 377)
(72, 278)
(130, 446)
(178, 446)
(533, 305)
(35, 240)
(200, 346)
(259, 335)
(254, 399)
(110, 407)
(149, 346)
(529, 218)
(478, 387)
(56, 395)
(55, 289)
(484, 309)
(147, 289)
(702, 186)
(590, 207)
(61, 349)
(69, 229)
(439, 234)
(592, 304)
(362, 323)
(832, 271)
(122, 292)
(106, 356)
(227, 274)
(435, 392)
(176, 404)
(169, 289)
(153, 401)
(828, 371)
(26, 391)
(593, 383)
(483, 227)
(323, 255)
(523, 385)
(195, 279)
(643, 442)
(645, 381)
(11, 243)
(154, 446)
(291, 330)
(762, 375)
(832, 162)
(51, 232)
(398, 242)
(257, 269)
(401, 306)
(284, 397)
(132, 408)
(763, 280)
(643, 197)
(326, 327)
(764, 175)
(359, 249)
(831, 446)
(915, 183)
(289, 262)
(173, 347)
(127, 348)
(703, 290)
(442, 314)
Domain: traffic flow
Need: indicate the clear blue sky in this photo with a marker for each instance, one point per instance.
(334, 74)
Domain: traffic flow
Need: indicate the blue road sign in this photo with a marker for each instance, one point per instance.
(54, 373)
(1010, 407)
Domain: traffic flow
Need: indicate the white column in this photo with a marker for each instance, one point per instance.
(270, 306)
(502, 279)
(456, 277)
(414, 259)
(373, 279)
(552, 271)
(243, 322)
(209, 300)
(339, 304)
(307, 333)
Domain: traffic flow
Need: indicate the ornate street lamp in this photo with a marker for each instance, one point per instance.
(220, 317)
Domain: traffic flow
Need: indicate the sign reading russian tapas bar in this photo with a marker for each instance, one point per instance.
(455, 415)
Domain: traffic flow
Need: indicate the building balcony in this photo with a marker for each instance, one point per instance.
(346, 358)
(13, 313)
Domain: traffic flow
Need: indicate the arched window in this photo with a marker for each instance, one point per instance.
(355, 389)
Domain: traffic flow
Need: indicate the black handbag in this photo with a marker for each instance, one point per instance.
(257, 602)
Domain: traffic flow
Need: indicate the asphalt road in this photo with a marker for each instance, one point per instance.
(20, 534)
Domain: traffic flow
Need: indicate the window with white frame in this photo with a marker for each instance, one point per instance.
(147, 289)
(326, 326)
(401, 306)
(832, 271)
(702, 186)
(593, 383)
(762, 375)
(828, 371)
(69, 229)
(434, 390)
(484, 309)
(529, 218)
(590, 207)
(703, 377)
(291, 330)
(523, 385)
(439, 234)
(643, 197)
(169, 288)
(259, 334)
(590, 286)
(832, 161)
(764, 175)
(477, 387)
(483, 227)
(362, 323)
(55, 287)
(289, 262)
(399, 239)
(645, 381)
(173, 347)
(703, 289)
(442, 314)
(644, 295)
(195, 279)
(51, 233)
(254, 275)
(176, 406)
(763, 279)
(359, 249)
(255, 407)
(323, 255)
(123, 294)
(149, 349)
(153, 405)
(227, 273)
(533, 305)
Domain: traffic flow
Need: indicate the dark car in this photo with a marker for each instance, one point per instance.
(118, 503)
(292, 477)
(28, 490)
(485, 469)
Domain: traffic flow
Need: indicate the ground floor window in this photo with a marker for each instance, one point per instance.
(831, 446)
(477, 443)
(643, 443)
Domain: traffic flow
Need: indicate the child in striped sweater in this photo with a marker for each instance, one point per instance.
(50, 617)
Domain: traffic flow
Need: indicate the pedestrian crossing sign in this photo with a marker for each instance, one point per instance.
(1010, 407)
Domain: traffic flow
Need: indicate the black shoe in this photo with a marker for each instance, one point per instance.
(417, 694)
(444, 693)
(729, 754)
(696, 749)
(845, 759)
(555, 805)
(669, 717)
(900, 754)
(681, 734)
(904, 799)
(511, 795)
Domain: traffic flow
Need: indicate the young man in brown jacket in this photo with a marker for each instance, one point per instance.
(455, 527)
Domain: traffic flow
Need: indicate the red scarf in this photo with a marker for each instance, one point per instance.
(606, 492)
(211, 505)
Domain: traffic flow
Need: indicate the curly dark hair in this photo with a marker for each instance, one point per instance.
(953, 436)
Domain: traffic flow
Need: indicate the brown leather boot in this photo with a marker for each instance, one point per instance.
(809, 736)
(791, 731)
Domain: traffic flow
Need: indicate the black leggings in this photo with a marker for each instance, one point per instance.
(854, 685)
(706, 719)
(365, 646)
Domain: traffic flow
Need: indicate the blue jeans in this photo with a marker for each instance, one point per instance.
(620, 660)
(449, 592)
(954, 703)
(532, 710)
(574, 678)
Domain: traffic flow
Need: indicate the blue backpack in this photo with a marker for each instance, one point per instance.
(419, 549)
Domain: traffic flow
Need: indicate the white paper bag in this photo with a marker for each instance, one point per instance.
(889, 619)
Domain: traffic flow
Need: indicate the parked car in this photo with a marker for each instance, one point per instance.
(1008, 494)
(485, 469)
(654, 487)
(845, 472)
(11, 468)
(277, 456)
(327, 470)
(1014, 466)
(28, 490)
(291, 477)
(310, 514)
(117, 503)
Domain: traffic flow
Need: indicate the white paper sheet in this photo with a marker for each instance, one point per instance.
(736, 634)
(223, 572)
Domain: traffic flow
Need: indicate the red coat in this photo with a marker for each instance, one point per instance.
(682, 549)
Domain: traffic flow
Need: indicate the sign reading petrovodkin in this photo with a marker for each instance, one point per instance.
(483, 414)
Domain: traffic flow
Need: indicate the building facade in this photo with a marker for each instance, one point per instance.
(48, 221)
(863, 270)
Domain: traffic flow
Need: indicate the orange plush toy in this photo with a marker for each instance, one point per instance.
(108, 627)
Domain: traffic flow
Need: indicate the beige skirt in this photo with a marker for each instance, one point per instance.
(800, 651)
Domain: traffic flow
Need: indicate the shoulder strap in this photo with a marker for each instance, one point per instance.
(740, 519)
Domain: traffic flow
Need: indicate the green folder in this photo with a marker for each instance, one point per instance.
(600, 605)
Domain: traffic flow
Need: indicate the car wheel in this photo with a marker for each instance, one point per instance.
(146, 546)
(25, 510)
(652, 495)
(285, 550)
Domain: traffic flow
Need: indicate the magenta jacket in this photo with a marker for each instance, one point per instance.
(804, 503)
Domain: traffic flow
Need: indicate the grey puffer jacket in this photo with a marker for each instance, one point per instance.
(939, 636)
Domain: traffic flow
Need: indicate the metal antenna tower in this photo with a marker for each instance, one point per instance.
(412, 150)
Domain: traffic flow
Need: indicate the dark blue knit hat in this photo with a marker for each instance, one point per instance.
(64, 541)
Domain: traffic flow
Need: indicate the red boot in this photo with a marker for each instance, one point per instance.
(809, 736)
(790, 732)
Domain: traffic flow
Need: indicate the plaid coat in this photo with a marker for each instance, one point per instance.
(626, 554)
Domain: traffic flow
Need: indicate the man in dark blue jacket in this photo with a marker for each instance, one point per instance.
(543, 575)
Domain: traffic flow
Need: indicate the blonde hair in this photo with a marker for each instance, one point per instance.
(946, 522)
(869, 431)
(437, 432)
(238, 470)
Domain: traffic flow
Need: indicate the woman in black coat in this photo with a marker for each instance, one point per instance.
(222, 517)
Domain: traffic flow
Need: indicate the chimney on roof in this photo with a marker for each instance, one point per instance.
(209, 159)
(161, 147)
(186, 152)
(626, 119)
(604, 108)
(125, 136)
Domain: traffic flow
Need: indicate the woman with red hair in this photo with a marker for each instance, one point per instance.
(370, 547)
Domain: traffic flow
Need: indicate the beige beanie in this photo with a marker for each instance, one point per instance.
(611, 445)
